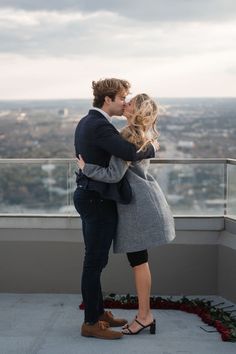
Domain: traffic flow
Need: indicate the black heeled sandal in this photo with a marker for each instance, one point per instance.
(152, 326)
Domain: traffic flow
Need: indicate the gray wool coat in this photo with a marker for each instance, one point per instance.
(145, 222)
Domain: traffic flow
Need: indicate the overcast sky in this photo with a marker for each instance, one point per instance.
(172, 48)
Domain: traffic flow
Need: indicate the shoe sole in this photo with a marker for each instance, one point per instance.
(99, 337)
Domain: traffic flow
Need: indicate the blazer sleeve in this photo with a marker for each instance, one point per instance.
(111, 174)
(109, 139)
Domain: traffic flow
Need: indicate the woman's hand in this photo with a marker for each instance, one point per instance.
(80, 162)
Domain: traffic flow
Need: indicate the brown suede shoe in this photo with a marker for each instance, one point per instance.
(100, 330)
(113, 322)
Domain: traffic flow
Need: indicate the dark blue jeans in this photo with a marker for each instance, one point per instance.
(99, 222)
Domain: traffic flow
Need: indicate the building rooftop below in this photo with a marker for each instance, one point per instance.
(50, 324)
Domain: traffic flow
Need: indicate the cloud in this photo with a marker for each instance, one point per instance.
(48, 33)
(102, 34)
(154, 10)
(176, 47)
(118, 28)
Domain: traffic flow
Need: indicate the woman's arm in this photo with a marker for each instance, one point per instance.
(111, 174)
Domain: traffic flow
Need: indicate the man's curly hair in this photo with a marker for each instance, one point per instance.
(108, 87)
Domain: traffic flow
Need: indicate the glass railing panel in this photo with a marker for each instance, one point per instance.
(192, 189)
(35, 188)
(231, 191)
(46, 186)
(72, 186)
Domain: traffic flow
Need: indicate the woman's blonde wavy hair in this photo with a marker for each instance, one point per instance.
(142, 122)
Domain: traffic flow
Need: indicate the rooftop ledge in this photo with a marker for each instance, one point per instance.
(182, 222)
(54, 228)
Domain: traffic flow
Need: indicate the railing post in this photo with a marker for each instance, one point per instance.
(225, 187)
(69, 184)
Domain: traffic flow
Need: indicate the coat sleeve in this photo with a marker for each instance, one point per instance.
(111, 174)
(109, 139)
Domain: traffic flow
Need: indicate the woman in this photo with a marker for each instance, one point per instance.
(146, 221)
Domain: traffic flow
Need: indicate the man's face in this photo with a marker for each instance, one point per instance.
(117, 106)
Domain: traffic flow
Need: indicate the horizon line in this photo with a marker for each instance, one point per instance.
(89, 98)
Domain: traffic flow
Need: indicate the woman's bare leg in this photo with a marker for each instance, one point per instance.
(142, 278)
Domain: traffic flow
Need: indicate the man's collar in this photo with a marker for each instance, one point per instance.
(106, 115)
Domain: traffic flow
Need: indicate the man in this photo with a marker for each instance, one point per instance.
(96, 139)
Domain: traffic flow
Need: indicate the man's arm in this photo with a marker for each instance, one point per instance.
(111, 174)
(109, 139)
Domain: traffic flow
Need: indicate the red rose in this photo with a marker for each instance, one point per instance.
(177, 306)
(207, 319)
(204, 313)
(198, 311)
(225, 335)
(183, 307)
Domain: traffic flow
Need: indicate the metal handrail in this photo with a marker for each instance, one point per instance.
(153, 160)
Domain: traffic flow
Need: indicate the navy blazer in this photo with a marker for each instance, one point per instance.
(96, 140)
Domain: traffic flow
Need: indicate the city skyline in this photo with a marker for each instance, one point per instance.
(172, 49)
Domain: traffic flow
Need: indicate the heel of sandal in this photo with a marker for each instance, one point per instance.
(153, 327)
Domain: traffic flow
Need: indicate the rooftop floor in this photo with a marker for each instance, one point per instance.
(50, 324)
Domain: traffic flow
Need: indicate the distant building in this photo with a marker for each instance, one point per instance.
(185, 145)
(173, 127)
(63, 112)
(21, 117)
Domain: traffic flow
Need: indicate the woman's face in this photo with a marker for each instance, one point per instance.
(129, 109)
